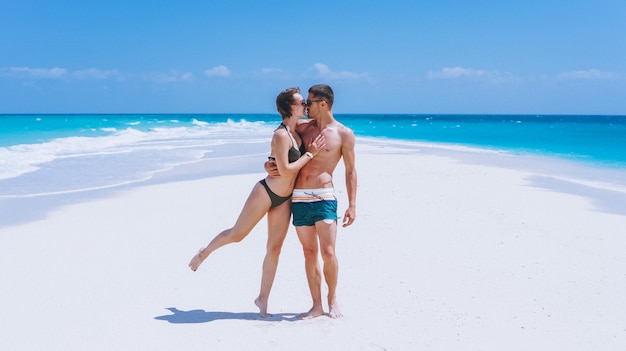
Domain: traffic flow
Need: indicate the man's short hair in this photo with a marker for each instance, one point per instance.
(323, 91)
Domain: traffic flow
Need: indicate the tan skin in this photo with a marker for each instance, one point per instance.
(318, 174)
(258, 203)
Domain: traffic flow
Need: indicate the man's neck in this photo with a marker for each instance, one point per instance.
(325, 120)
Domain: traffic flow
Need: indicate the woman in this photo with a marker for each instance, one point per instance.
(271, 195)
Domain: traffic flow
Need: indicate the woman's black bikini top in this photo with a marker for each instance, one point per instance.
(294, 154)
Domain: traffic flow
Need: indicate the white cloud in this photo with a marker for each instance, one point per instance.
(325, 72)
(44, 73)
(469, 73)
(457, 72)
(94, 73)
(272, 71)
(59, 73)
(171, 77)
(592, 74)
(217, 71)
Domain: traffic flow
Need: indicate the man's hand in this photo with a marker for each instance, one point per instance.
(271, 168)
(349, 217)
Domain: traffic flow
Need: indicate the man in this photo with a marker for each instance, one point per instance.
(314, 205)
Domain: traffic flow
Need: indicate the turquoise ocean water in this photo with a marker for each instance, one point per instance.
(57, 154)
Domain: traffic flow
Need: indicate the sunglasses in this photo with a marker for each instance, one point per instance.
(309, 102)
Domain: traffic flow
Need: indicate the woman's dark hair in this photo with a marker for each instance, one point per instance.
(323, 91)
(284, 100)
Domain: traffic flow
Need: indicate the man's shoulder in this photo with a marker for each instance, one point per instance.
(342, 129)
(305, 124)
(346, 134)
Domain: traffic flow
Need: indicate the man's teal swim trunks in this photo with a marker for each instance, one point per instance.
(312, 205)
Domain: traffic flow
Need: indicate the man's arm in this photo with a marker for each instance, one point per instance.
(347, 150)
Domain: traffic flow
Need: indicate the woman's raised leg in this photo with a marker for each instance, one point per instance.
(254, 209)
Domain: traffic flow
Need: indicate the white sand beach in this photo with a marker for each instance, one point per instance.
(449, 251)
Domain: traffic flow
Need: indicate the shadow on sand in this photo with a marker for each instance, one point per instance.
(607, 201)
(201, 316)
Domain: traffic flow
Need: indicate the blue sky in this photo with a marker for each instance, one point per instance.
(534, 56)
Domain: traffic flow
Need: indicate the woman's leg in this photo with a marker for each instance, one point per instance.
(277, 227)
(254, 209)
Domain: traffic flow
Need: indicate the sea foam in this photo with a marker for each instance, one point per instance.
(129, 155)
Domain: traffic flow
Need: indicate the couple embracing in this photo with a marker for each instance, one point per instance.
(304, 154)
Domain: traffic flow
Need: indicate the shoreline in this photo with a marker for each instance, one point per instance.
(605, 186)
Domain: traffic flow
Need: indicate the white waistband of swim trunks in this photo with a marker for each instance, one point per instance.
(319, 191)
(309, 195)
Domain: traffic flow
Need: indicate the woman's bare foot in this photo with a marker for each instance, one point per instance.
(197, 260)
(313, 313)
(334, 312)
(262, 305)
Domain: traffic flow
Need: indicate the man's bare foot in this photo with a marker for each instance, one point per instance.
(334, 312)
(313, 313)
(262, 305)
(196, 260)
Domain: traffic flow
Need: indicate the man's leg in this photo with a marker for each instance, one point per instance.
(327, 233)
(308, 239)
